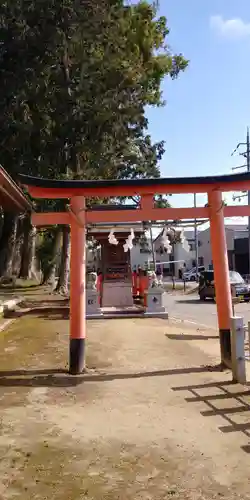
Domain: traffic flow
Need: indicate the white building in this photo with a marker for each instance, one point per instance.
(141, 255)
(233, 232)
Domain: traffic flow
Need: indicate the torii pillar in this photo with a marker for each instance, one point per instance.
(76, 219)
(77, 286)
(221, 272)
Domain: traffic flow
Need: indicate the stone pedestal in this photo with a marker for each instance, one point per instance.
(117, 294)
(154, 303)
(92, 303)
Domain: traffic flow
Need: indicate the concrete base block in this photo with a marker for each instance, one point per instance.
(154, 303)
(118, 294)
(162, 314)
(92, 303)
(95, 316)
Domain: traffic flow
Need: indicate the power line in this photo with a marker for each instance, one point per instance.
(246, 155)
(196, 240)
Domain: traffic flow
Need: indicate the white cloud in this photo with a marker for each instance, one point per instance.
(230, 28)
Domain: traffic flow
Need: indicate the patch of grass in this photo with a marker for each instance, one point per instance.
(43, 342)
(19, 284)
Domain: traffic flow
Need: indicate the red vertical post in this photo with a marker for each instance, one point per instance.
(77, 287)
(99, 287)
(134, 283)
(221, 272)
(145, 289)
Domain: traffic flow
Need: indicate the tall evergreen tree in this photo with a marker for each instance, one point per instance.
(76, 78)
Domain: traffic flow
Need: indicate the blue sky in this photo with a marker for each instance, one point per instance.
(208, 107)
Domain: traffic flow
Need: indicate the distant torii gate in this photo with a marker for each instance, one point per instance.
(78, 217)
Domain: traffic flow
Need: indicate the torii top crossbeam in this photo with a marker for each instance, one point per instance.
(146, 188)
(129, 187)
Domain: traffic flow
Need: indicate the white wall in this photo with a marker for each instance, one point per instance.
(230, 236)
(178, 253)
(183, 254)
(139, 258)
(205, 250)
(92, 257)
(205, 247)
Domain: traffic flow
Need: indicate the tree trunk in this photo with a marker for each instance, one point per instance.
(1, 222)
(17, 257)
(49, 276)
(29, 264)
(63, 281)
(7, 244)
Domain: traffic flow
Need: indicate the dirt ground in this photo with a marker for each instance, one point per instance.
(153, 418)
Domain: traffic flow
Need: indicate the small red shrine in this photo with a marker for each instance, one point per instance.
(115, 266)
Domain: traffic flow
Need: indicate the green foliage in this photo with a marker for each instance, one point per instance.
(162, 201)
(75, 81)
(45, 250)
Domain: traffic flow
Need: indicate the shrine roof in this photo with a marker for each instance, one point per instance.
(12, 198)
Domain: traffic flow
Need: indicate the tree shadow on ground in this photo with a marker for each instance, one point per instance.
(56, 309)
(227, 392)
(196, 301)
(61, 377)
(184, 336)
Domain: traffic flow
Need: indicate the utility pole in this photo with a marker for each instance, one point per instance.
(248, 196)
(246, 155)
(196, 240)
(152, 247)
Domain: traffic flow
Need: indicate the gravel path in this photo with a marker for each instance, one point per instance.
(153, 418)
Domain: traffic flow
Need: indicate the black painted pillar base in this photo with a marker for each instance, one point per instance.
(225, 346)
(76, 356)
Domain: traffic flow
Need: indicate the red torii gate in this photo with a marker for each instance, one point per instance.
(78, 217)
